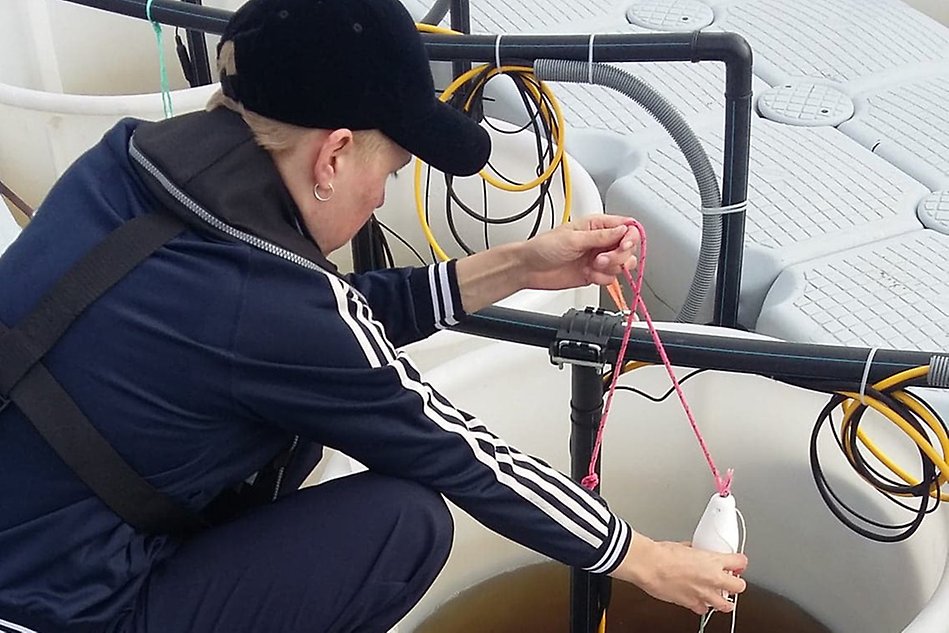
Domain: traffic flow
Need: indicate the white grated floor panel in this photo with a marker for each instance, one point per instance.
(909, 125)
(893, 294)
(812, 191)
(851, 142)
(838, 40)
(696, 90)
(804, 183)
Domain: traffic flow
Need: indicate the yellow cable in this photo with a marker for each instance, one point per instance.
(431, 28)
(602, 627)
(628, 367)
(903, 376)
(895, 419)
(918, 438)
(554, 120)
(635, 364)
(558, 155)
(420, 210)
(850, 407)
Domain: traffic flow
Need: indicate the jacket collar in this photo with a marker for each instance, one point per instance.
(212, 157)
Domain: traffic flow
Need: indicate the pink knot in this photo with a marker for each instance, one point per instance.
(725, 483)
(590, 481)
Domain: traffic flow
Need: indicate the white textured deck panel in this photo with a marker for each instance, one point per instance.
(933, 211)
(804, 183)
(892, 294)
(812, 191)
(516, 16)
(908, 125)
(833, 39)
(696, 90)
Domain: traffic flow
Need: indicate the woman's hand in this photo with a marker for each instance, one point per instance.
(677, 573)
(589, 251)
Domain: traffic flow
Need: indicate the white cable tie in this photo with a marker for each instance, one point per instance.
(738, 207)
(497, 52)
(590, 59)
(866, 375)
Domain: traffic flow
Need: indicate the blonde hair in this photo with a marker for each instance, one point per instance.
(276, 136)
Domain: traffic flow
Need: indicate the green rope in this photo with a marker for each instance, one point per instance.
(165, 90)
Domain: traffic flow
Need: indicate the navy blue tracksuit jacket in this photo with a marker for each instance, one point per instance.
(215, 353)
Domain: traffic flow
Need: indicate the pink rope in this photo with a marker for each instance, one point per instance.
(722, 484)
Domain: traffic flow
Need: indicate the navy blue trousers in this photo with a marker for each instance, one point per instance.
(352, 555)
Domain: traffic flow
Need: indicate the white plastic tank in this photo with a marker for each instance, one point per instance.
(655, 477)
(67, 74)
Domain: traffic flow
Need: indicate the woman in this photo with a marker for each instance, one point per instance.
(236, 342)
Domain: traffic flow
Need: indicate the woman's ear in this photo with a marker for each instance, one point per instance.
(328, 151)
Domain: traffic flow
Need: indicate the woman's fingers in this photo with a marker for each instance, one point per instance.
(718, 602)
(604, 221)
(736, 563)
(734, 584)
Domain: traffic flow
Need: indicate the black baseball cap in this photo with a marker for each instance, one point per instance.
(357, 64)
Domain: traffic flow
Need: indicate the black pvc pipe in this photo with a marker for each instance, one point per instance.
(729, 48)
(734, 181)
(198, 51)
(586, 407)
(788, 362)
(437, 12)
(460, 13)
(171, 12)
(460, 20)
(366, 248)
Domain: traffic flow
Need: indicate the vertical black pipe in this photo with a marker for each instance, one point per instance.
(460, 21)
(586, 406)
(738, 77)
(366, 248)
(198, 49)
(734, 190)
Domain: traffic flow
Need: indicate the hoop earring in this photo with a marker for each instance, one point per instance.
(316, 192)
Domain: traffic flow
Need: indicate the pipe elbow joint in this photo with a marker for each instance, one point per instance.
(732, 49)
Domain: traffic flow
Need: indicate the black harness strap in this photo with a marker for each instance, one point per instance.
(25, 382)
(100, 269)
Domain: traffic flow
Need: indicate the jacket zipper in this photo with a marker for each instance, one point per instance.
(218, 224)
(212, 220)
(280, 473)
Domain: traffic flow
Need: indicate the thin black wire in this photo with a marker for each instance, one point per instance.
(450, 217)
(510, 219)
(666, 394)
(884, 485)
(542, 152)
(484, 205)
(384, 227)
(386, 251)
(539, 202)
(428, 184)
(896, 485)
(545, 129)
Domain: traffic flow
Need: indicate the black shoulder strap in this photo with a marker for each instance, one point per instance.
(25, 382)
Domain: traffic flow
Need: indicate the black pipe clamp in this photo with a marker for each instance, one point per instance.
(583, 337)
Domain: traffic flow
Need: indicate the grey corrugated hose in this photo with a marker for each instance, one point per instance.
(673, 122)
